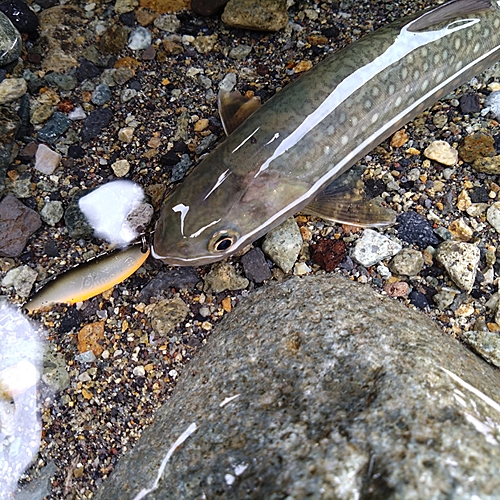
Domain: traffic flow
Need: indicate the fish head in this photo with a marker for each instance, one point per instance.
(218, 210)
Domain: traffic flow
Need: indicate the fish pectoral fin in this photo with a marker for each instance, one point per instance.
(349, 206)
(235, 108)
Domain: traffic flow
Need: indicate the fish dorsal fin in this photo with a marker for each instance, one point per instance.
(449, 11)
(235, 108)
(344, 201)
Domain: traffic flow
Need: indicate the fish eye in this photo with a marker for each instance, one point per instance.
(222, 241)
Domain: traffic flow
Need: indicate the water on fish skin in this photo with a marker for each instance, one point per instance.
(306, 136)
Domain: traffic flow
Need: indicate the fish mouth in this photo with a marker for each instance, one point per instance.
(185, 261)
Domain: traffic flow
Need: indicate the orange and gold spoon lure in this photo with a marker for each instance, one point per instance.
(88, 280)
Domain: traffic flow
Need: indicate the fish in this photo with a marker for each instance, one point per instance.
(88, 280)
(290, 154)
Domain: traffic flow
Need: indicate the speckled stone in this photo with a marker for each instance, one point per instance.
(336, 393)
(486, 344)
(441, 152)
(460, 261)
(12, 89)
(262, 15)
(10, 41)
(283, 244)
(475, 146)
(223, 276)
(374, 247)
(488, 165)
(408, 262)
(166, 314)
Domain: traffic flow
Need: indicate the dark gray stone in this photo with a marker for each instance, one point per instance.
(337, 393)
(54, 128)
(11, 43)
(255, 266)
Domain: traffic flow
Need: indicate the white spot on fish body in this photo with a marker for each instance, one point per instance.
(398, 102)
(458, 66)
(458, 44)
(425, 66)
(375, 91)
(342, 118)
(416, 75)
(345, 140)
(183, 211)
(425, 84)
(368, 104)
(375, 117)
(354, 120)
(404, 73)
(330, 130)
(496, 22)
(437, 58)
(392, 88)
(477, 47)
(439, 77)
(326, 150)
(486, 32)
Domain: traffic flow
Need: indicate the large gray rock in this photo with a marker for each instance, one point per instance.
(337, 393)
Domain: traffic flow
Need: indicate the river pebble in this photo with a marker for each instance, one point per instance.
(475, 146)
(52, 212)
(283, 244)
(374, 247)
(166, 314)
(461, 262)
(10, 42)
(101, 94)
(486, 344)
(57, 125)
(255, 266)
(265, 15)
(493, 215)
(95, 123)
(17, 224)
(46, 160)
(22, 279)
(408, 262)
(460, 230)
(139, 39)
(416, 229)
(470, 103)
(12, 89)
(441, 152)
(121, 168)
(493, 102)
(224, 276)
(488, 165)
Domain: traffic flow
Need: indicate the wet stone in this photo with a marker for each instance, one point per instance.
(416, 230)
(179, 278)
(418, 299)
(22, 279)
(139, 39)
(125, 6)
(493, 102)
(52, 212)
(54, 128)
(21, 16)
(283, 244)
(262, 15)
(17, 224)
(46, 160)
(10, 41)
(87, 70)
(328, 254)
(223, 276)
(374, 247)
(113, 39)
(476, 146)
(460, 261)
(408, 262)
(255, 266)
(488, 165)
(493, 215)
(207, 7)
(442, 152)
(62, 82)
(460, 230)
(240, 52)
(166, 314)
(55, 374)
(75, 221)
(95, 123)
(12, 89)
(168, 22)
(469, 103)
(327, 381)
(486, 344)
(101, 94)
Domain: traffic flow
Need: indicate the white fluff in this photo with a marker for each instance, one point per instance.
(106, 210)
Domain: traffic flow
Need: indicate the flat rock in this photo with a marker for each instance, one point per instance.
(320, 388)
(283, 244)
(17, 224)
(12, 89)
(460, 261)
(374, 247)
(442, 152)
(262, 15)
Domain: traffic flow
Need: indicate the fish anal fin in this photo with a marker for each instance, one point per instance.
(349, 206)
(235, 108)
